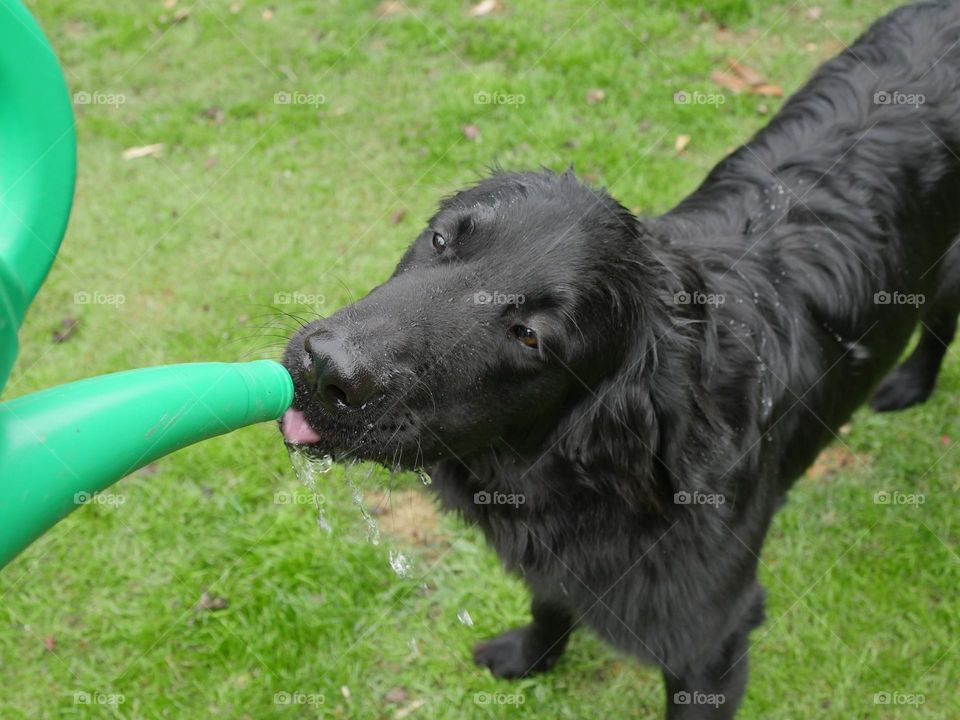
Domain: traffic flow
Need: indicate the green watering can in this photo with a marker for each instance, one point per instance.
(60, 446)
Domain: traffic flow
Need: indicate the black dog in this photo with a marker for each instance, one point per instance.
(650, 389)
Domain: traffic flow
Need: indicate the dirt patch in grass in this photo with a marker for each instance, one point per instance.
(832, 461)
(409, 516)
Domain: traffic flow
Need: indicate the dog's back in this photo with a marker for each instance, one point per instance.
(846, 208)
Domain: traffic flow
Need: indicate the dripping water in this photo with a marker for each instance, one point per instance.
(373, 528)
(307, 468)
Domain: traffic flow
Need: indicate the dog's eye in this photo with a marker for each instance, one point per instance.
(439, 242)
(527, 336)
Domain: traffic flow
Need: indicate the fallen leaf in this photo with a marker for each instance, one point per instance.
(209, 601)
(485, 8)
(744, 79)
(267, 14)
(680, 144)
(762, 109)
(169, 4)
(748, 74)
(471, 132)
(50, 643)
(68, 326)
(142, 151)
(396, 695)
(595, 95)
(389, 7)
(772, 90)
(345, 691)
(180, 15)
(398, 216)
(728, 81)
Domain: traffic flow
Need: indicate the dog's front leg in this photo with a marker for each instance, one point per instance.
(529, 649)
(711, 690)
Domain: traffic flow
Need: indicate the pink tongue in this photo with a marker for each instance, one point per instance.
(296, 429)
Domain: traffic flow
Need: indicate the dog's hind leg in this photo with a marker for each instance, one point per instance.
(912, 382)
(530, 649)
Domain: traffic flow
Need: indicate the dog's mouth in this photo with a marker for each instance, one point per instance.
(394, 441)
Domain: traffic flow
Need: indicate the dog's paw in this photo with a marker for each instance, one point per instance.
(513, 655)
(899, 390)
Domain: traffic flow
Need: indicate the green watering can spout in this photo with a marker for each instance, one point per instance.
(60, 446)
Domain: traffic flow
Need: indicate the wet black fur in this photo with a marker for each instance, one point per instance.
(634, 396)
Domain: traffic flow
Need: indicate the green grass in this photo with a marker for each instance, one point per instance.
(302, 199)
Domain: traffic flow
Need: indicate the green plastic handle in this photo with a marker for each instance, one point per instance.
(38, 157)
(60, 446)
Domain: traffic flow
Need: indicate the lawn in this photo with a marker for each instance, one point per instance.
(304, 143)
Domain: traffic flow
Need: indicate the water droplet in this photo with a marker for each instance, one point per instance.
(400, 563)
(464, 616)
(324, 464)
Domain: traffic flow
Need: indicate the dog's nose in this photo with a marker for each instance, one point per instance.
(338, 377)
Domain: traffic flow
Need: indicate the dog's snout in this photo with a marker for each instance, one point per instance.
(337, 376)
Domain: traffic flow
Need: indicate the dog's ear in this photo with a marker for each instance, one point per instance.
(649, 430)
